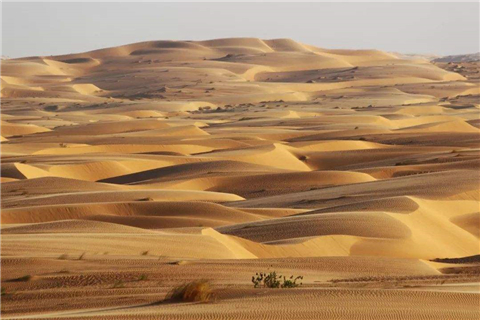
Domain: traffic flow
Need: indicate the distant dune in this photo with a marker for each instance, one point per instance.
(460, 58)
(416, 56)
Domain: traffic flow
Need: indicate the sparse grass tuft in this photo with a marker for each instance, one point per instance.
(4, 291)
(63, 257)
(195, 291)
(144, 253)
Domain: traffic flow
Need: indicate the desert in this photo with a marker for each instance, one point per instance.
(131, 170)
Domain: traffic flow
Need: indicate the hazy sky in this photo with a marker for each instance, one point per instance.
(60, 28)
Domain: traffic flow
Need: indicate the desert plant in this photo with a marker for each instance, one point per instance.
(291, 282)
(272, 280)
(257, 279)
(81, 256)
(144, 253)
(195, 291)
(4, 291)
(143, 277)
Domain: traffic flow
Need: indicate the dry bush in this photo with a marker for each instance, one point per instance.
(195, 291)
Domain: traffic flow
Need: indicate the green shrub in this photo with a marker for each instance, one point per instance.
(291, 282)
(272, 280)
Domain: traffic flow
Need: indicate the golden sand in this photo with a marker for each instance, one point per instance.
(127, 171)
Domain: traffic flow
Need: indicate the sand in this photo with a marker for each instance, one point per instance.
(127, 171)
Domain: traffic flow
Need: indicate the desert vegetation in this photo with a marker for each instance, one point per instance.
(195, 291)
(272, 280)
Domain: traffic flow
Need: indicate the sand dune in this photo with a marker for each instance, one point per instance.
(435, 187)
(129, 170)
(13, 129)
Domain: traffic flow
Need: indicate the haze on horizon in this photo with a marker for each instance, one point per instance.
(30, 29)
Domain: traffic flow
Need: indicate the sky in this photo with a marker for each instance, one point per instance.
(31, 29)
